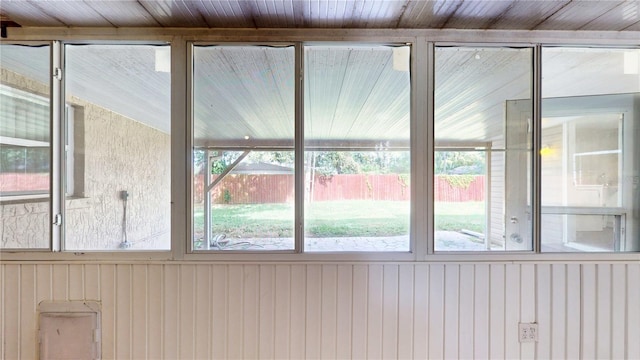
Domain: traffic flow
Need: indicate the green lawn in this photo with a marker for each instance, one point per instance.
(336, 218)
(455, 216)
(323, 219)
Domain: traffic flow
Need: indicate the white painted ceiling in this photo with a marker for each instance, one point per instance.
(471, 86)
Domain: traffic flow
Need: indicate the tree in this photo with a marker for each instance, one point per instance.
(459, 162)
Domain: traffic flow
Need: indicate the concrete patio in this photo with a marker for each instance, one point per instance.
(445, 241)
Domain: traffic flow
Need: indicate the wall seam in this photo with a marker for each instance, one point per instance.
(581, 351)
(626, 311)
(566, 308)
(146, 312)
(611, 313)
(597, 305)
(19, 309)
(335, 333)
(131, 309)
(489, 322)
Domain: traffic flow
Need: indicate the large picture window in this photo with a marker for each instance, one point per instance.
(590, 149)
(243, 155)
(357, 148)
(483, 149)
(329, 149)
(356, 158)
(120, 96)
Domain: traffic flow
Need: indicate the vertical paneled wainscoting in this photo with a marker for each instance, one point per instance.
(420, 311)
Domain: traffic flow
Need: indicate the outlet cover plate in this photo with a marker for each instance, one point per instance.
(528, 332)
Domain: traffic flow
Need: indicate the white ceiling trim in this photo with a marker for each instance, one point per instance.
(611, 38)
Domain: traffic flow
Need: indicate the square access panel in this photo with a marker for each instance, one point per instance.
(70, 330)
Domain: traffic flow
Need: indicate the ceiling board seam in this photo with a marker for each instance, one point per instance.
(249, 10)
(403, 10)
(551, 15)
(634, 24)
(366, 100)
(452, 15)
(298, 13)
(88, 3)
(35, 5)
(419, 16)
(342, 87)
(196, 9)
(600, 15)
(150, 14)
(352, 21)
(496, 19)
(203, 9)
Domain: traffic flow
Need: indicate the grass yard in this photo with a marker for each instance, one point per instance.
(357, 218)
(322, 219)
(455, 216)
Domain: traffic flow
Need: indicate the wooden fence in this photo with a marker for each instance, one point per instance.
(19, 182)
(279, 188)
(447, 189)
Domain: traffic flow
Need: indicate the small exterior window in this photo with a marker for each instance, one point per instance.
(25, 137)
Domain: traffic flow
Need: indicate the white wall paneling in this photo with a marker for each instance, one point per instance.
(281, 311)
(632, 347)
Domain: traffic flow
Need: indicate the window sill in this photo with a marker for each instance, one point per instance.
(167, 257)
(22, 199)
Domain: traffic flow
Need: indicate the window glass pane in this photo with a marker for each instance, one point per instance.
(482, 159)
(590, 149)
(118, 104)
(24, 147)
(243, 112)
(357, 158)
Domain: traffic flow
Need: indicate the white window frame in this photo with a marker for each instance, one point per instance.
(298, 252)
(69, 149)
(421, 133)
(26, 143)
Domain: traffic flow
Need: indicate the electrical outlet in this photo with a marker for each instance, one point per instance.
(528, 332)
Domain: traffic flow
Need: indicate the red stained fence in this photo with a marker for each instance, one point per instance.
(361, 187)
(446, 192)
(259, 189)
(18, 182)
(254, 189)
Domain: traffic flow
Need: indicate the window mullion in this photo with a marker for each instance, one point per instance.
(536, 146)
(57, 146)
(181, 144)
(299, 148)
(425, 147)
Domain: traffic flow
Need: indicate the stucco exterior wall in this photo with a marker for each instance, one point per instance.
(112, 153)
(24, 224)
(120, 154)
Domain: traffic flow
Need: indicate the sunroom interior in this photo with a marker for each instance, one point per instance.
(500, 191)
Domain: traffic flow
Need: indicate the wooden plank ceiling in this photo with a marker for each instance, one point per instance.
(613, 15)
